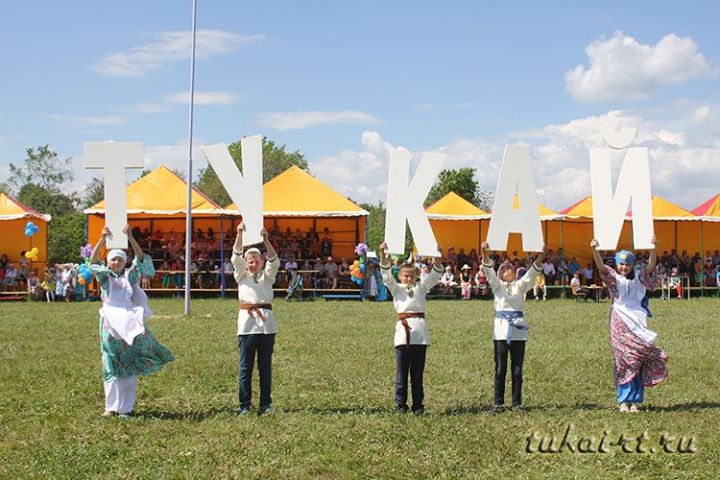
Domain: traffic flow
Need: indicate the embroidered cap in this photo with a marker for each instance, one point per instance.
(465, 267)
(623, 256)
(252, 251)
(505, 266)
(116, 252)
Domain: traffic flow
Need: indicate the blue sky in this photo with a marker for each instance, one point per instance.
(345, 81)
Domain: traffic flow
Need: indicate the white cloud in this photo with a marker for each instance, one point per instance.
(96, 121)
(684, 157)
(203, 98)
(299, 120)
(169, 47)
(621, 68)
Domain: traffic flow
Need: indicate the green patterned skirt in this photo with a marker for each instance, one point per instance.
(145, 356)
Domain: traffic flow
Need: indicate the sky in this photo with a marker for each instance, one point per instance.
(345, 82)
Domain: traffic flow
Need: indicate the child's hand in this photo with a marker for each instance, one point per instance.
(126, 230)
(383, 246)
(485, 246)
(241, 227)
(264, 234)
(594, 243)
(654, 240)
(106, 232)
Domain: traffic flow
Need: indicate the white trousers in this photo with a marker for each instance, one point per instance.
(120, 394)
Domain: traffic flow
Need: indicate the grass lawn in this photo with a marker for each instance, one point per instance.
(333, 391)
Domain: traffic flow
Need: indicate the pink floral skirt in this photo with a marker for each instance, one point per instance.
(633, 356)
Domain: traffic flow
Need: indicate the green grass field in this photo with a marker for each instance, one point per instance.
(333, 391)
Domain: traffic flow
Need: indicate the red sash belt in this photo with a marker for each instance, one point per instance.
(256, 308)
(402, 318)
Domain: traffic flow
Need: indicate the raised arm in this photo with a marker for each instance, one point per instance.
(133, 243)
(384, 259)
(238, 245)
(271, 253)
(652, 261)
(596, 255)
(95, 256)
(486, 261)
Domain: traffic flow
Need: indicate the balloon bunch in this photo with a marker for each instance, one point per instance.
(32, 255)
(31, 229)
(84, 273)
(357, 269)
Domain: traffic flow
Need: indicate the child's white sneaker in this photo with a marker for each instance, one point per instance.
(624, 408)
(634, 408)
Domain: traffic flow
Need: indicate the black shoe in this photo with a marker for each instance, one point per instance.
(419, 411)
(401, 409)
(496, 409)
(517, 407)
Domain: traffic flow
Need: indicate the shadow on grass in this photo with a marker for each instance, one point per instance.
(192, 415)
(683, 407)
(339, 410)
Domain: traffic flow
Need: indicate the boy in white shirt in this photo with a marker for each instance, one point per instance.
(411, 334)
(511, 329)
(256, 322)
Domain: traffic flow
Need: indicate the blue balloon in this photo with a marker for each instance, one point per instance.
(362, 267)
(31, 229)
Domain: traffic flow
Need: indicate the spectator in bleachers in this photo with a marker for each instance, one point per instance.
(548, 270)
(462, 258)
(474, 260)
(331, 273)
(588, 274)
(481, 282)
(326, 244)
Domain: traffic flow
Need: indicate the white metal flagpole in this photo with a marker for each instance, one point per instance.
(188, 213)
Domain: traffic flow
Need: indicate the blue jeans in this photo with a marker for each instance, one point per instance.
(410, 358)
(262, 344)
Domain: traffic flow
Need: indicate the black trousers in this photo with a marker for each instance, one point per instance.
(261, 345)
(410, 359)
(517, 355)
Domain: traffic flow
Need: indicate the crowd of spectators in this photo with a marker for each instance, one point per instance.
(307, 261)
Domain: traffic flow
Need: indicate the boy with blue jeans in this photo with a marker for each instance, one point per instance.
(256, 322)
(411, 334)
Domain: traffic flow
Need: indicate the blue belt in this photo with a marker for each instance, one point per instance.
(511, 317)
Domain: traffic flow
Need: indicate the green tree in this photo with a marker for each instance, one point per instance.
(94, 192)
(275, 161)
(41, 182)
(66, 234)
(461, 181)
(376, 227)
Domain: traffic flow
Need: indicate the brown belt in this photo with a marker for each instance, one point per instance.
(256, 308)
(402, 317)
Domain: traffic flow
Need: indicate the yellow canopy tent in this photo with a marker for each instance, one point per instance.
(297, 200)
(675, 228)
(709, 212)
(550, 222)
(457, 223)
(157, 202)
(460, 224)
(577, 231)
(13, 218)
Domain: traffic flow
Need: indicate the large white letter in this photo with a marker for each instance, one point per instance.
(244, 189)
(516, 177)
(114, 158)
(405, 202)
(633, 185)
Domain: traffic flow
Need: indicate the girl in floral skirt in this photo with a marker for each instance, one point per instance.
(638, 362)
(127, 344)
